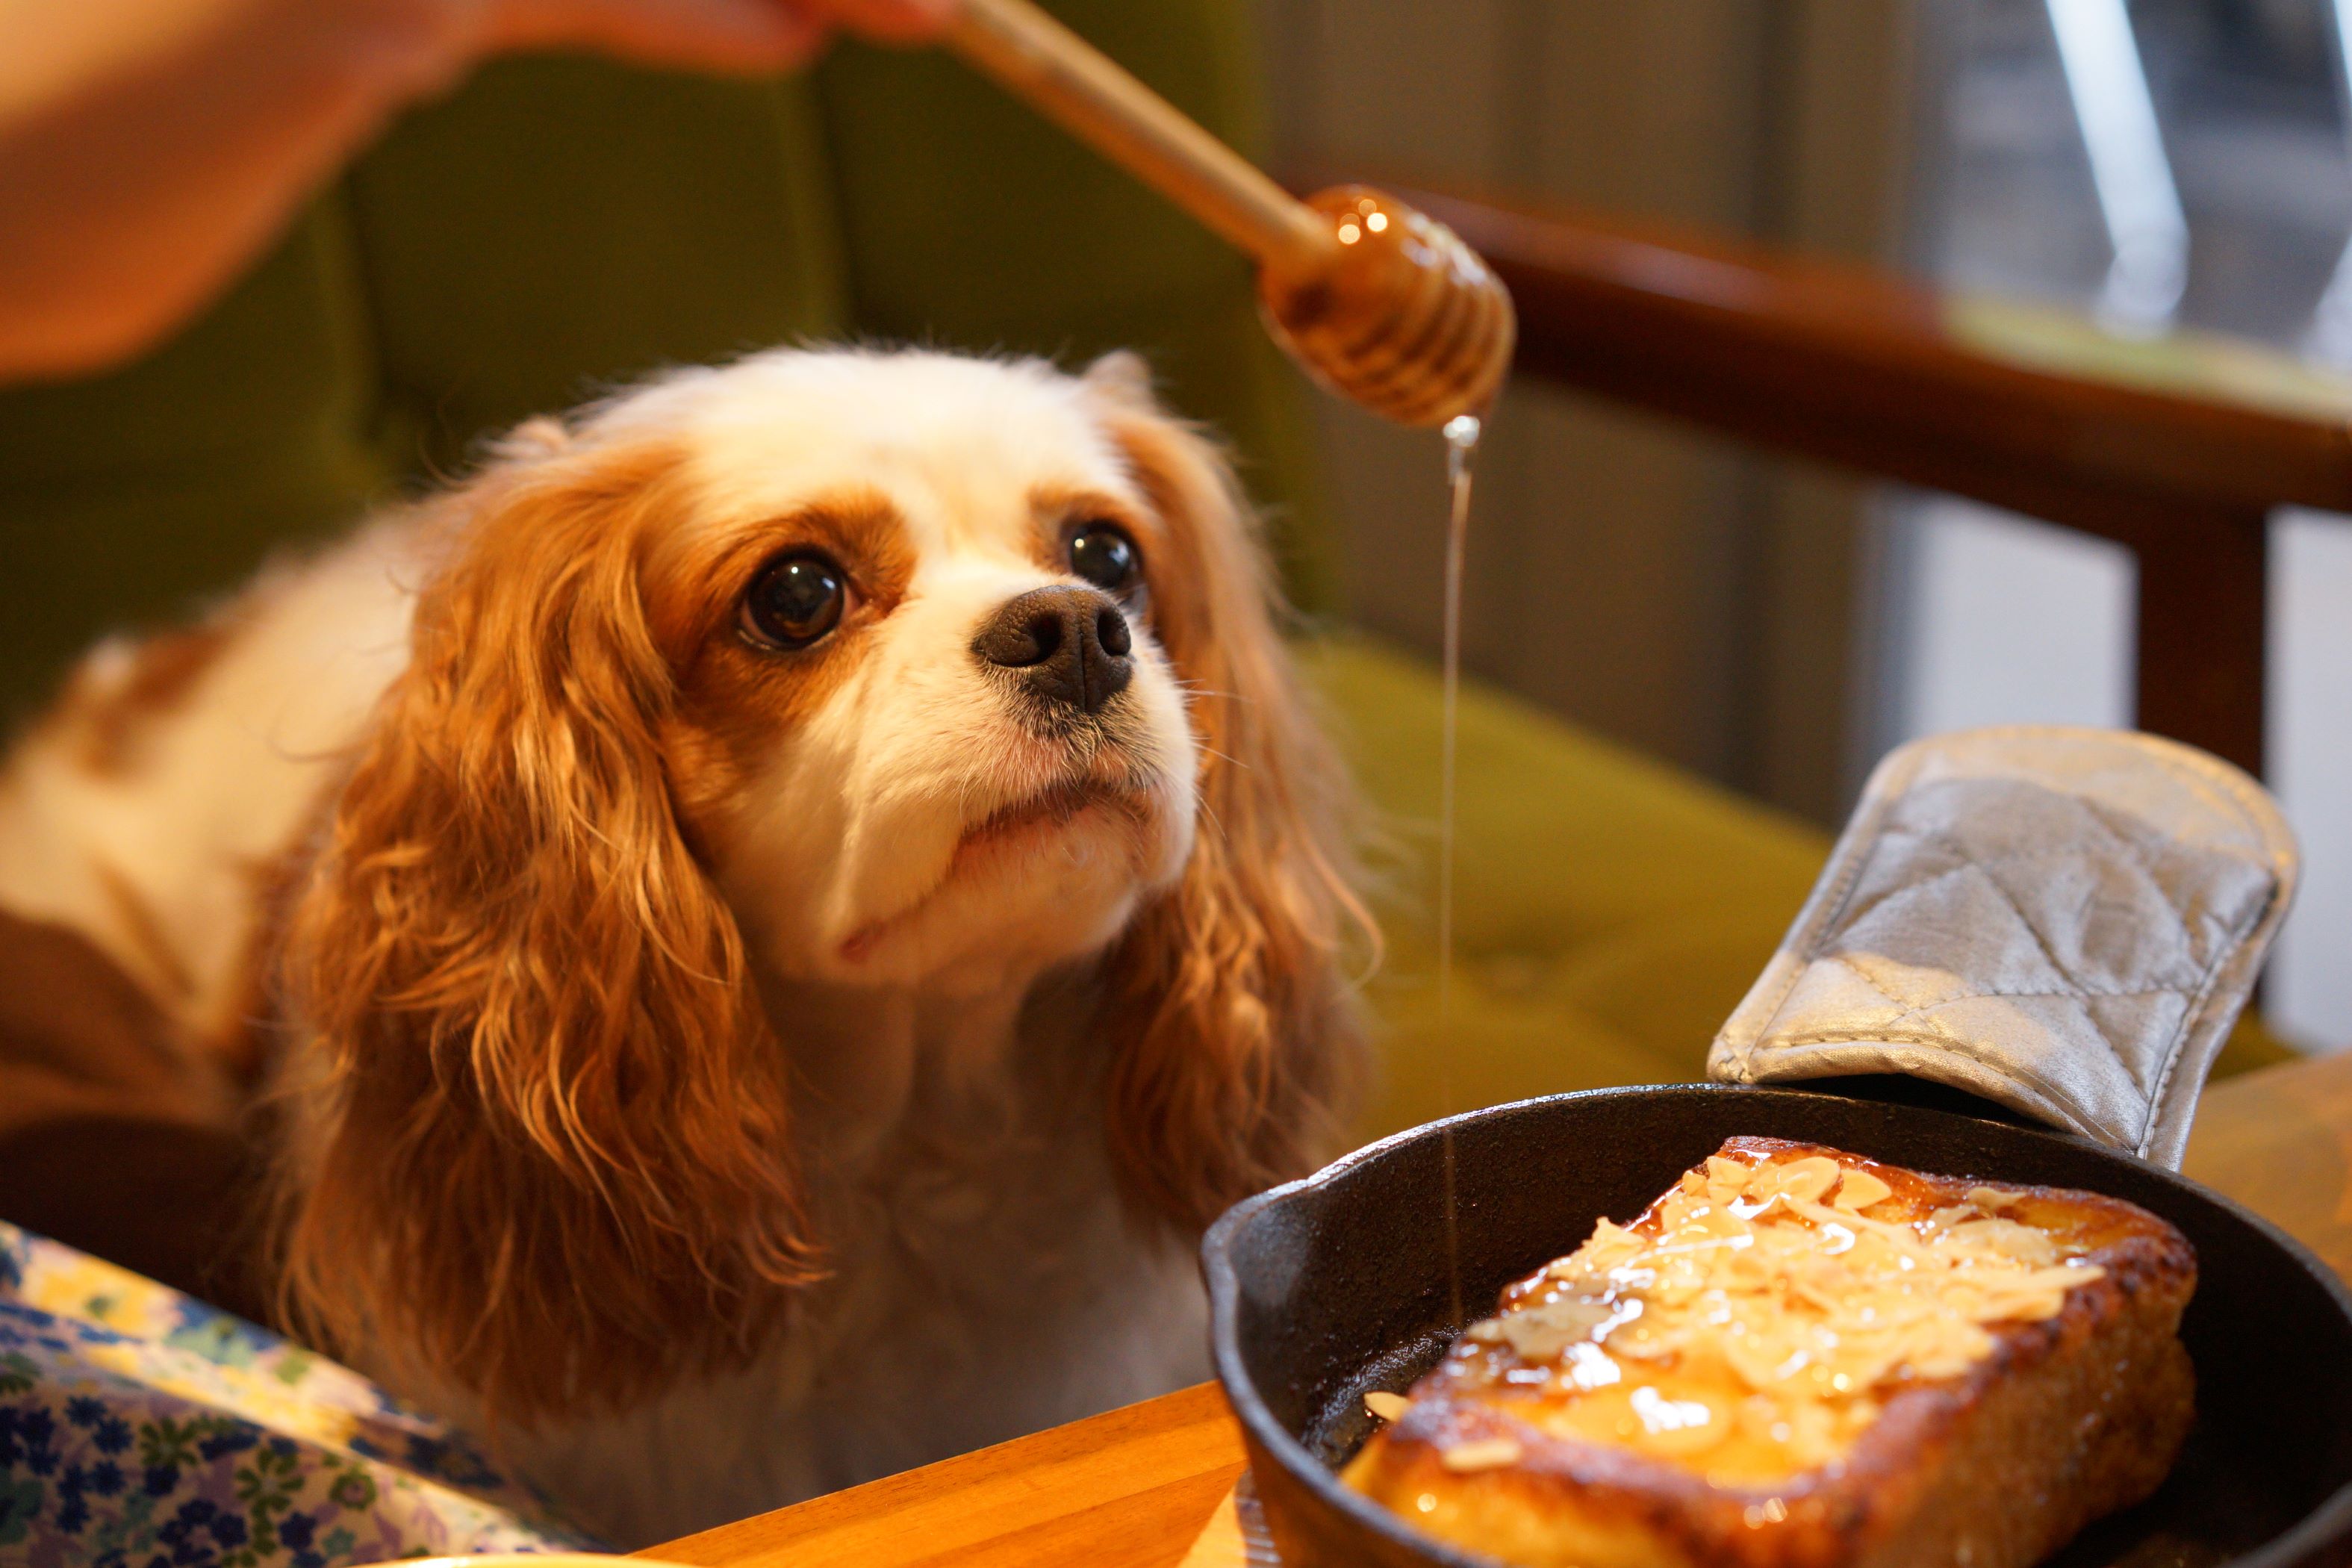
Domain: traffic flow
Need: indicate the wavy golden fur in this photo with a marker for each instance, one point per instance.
(557, 1164)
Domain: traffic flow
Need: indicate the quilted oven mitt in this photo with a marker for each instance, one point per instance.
(2065, 921)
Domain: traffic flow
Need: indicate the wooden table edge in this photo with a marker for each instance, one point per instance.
(960, 1508)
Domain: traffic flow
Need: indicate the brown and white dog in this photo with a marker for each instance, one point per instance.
(768, 916)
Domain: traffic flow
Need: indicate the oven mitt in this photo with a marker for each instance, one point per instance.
(2064, 921)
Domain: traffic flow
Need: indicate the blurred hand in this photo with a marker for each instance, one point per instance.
(149, 149)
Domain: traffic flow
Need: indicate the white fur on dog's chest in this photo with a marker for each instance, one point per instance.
(932, 1341)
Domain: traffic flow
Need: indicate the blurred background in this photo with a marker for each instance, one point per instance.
(2162, 167)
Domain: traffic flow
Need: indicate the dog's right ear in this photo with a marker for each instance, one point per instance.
(538, 1124)
(1229, 998)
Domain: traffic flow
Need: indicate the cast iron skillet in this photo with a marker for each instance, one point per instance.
(1331, 1286)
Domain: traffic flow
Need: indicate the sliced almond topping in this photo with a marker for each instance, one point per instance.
(1725, 1179)
(1859, 1190)
(1386, 1405)
(1807, 1179)
(1792, 1300)
(1484, 1454)
(1542, 1333)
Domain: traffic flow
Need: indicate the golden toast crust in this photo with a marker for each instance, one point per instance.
(2062, 1421)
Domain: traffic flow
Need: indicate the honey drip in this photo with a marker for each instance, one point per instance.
(1461, 446)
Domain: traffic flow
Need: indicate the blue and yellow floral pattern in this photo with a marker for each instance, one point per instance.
(140, 1429)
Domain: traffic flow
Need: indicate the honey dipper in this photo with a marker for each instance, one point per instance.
(1379, 303)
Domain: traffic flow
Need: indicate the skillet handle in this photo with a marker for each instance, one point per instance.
(2064, 921)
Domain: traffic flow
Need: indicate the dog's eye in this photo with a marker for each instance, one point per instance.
(793, 601)
(1104, 554)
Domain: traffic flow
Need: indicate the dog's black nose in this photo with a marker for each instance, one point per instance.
(1068, 643)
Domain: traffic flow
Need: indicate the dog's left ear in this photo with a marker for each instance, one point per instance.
(1230, 1007)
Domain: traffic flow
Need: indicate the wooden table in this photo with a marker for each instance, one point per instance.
(1133, 1489)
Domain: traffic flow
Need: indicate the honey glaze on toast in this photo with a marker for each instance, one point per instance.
(1799, 1356)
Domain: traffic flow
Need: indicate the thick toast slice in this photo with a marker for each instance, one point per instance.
(1800, 1358)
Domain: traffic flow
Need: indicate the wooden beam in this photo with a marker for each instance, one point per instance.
(1858, 369)
(2204, 581)
(1861, 369)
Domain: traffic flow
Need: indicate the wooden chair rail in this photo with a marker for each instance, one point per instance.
(1856, 368)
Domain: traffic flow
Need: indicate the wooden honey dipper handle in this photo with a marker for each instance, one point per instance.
(1073, 83)
(1379, 303)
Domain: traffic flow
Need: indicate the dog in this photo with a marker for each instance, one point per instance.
(758, 928)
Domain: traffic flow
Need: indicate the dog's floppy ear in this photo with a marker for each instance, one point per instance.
(542, 1149)
(1230, 1008)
